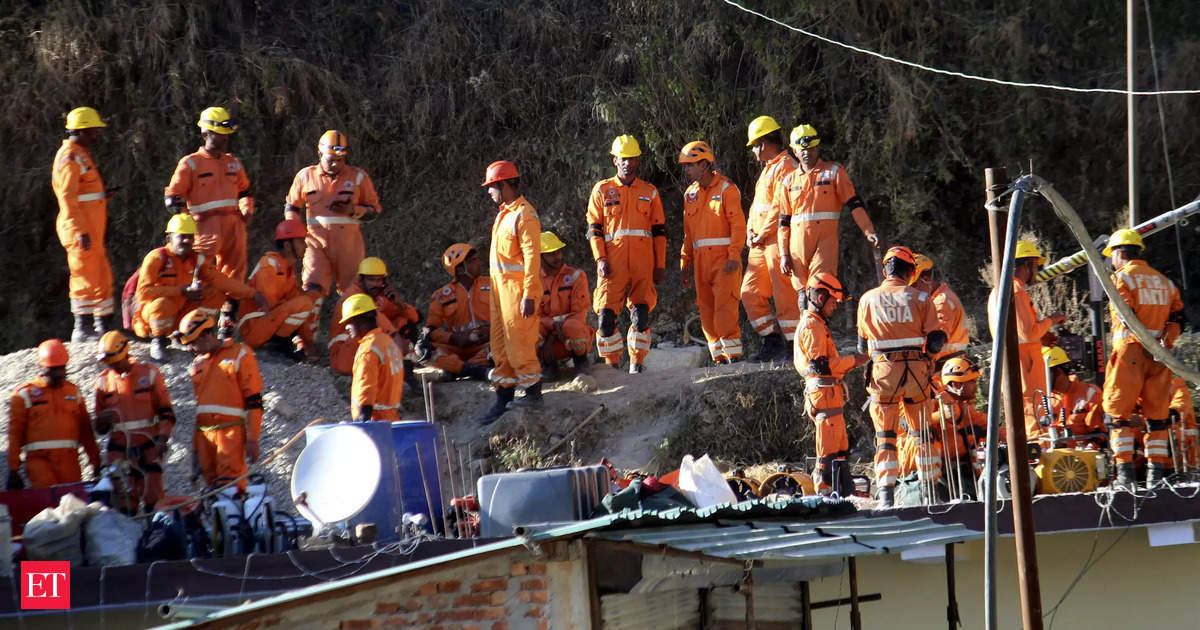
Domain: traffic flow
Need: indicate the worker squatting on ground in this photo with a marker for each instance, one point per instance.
(1075, 405)
(335, 198)
(563, 331)
(516, 269)
(82, 219)
(1133, 378)
(763, 279)
(456, 334)
(958, 426)
(134, 409)
(284, 326)
(628, 236)
(897, 325)
(1032, 332)
(808, 222)
(396, 317)
(377, 376)
(952, 318)
(48, 420)
(1184, 423)
(229, 403)
(822, 368)
(714, 233)
(174, 281)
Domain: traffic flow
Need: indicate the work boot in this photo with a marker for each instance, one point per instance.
(532, 397)
(83, 328)
(886, 496)
(1126, 478)
(477, 372)
(104, 323)
(843, 484)
(550, 371)
(158, 348)
(636, 368)
(772, 347)
(580, 361)
(504, 395)
(1155, 474)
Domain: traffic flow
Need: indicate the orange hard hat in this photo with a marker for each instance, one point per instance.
(333, 142)
(959, 370)
(499, 171)
(903, 253)
(923, 263)
(193, 325)
(52, 353)
(455, 255)
(291, 228)
(696, 151)
(829, 282)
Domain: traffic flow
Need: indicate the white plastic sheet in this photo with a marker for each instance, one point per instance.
(702, 483)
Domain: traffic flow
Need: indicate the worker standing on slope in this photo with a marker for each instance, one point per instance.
(808, 221)
(48, 419)
(82, 219)
(132, 403)
(714, 233)
(396, 317)
(763, 280)
(455, 338)
(952, 318)
(628, 235)
(377, 380)
(1133, 377)
(229, 403)
(898, 326)
(822, 368)
(563, 330)
(516, 269)
(1075, 405)
(283, 326)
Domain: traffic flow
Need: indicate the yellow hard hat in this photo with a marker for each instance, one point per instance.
(84, 118)
(805, 137)
(696, 151)
(551, 242)
(372, 266)
(760, 127)
(217, 120)
(959, 370)
(181, 224)
(923, 264)
(193, 325)
(1026, 249)
(114, 346)
(333, 142)
(626, 146)
(356, 305)
(1055, 355)
(1124, 237)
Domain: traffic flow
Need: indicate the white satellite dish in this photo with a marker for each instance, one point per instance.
(336, 475)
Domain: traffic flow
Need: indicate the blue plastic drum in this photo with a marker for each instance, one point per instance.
(384, 507)
(406, 436)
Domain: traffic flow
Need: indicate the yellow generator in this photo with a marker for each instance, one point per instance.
(1062, 470)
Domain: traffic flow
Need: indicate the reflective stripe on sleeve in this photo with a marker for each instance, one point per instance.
(97, 196)
(507, 267)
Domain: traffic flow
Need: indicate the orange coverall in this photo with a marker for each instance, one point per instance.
(159, 297)
(895, 319)
(455, 309)
(229, 410)
(83, 209)
(822, 368)
(813, 205)
(626, 227)
(1185, 431)
(1030, 330)
(763, 279)
(290, 308)
(378, 376)
(714, 231)
(1077, 411)
(144, 412)
(1133, 377)
(516, 270)
(564, 308)
(952, 319)
(335, 243)
(217, 191)
(50, 424)
(963, 431)
(390, 317)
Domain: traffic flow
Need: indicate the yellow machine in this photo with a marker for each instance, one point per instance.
(791, 482)
(1062, 470)
(743, 487)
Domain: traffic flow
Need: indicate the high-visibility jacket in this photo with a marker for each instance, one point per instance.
(1030, 330)
(276, 280)
(391, 315)
(714, 231)
(895, 316)
(83, 209)
(212, 185)
(952, 319)
(141, 401)
(822, 379)
(626, 225)
(1181, 401)
(456, 309)
(958, 425)
(377, 377)
(315, 191)
(47, 421)
(515, 265)
(770, 195)
(565, 297)
(228, 389)
(1153, 298)
(1077, 411)
(814, 204)
(165, 275)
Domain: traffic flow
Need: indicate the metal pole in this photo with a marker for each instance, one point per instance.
(855, 613)
(747, 589)
(994, 179)
(806, 622)
(951, 598)
(1130, 109)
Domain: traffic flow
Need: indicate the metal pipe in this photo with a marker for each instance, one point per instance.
(1131, 107)
(855, 613)
(993, 178)
(187, 611)
(951, 599)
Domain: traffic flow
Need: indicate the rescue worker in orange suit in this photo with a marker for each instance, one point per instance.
(808, 221)
(563, 330)
(628, 236)
(714, 233)
(48, 419)
(763, 280)
(134, 410)
(1075, 405)
(335, 197)
(1133, 377)
(396, 317)
(515, 264)
(82, 219)
(1030, 331)
(817, 360)
(284, 326)
(958, 425)
(377, 379)
(952, 318)
(229, 403)
(455, 337)
(1186, 433)
(174, 281)
(898, 327)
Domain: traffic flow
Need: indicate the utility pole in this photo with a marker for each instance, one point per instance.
(1130, 109)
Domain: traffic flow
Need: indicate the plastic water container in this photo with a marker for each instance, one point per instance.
(406, 436)
(383, 509)
(553, 495)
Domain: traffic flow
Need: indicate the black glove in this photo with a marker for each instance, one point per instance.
(14, 481)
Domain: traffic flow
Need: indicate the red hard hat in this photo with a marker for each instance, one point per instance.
(903, 253)
(499, 171)
(52, 353)
(291, 228)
